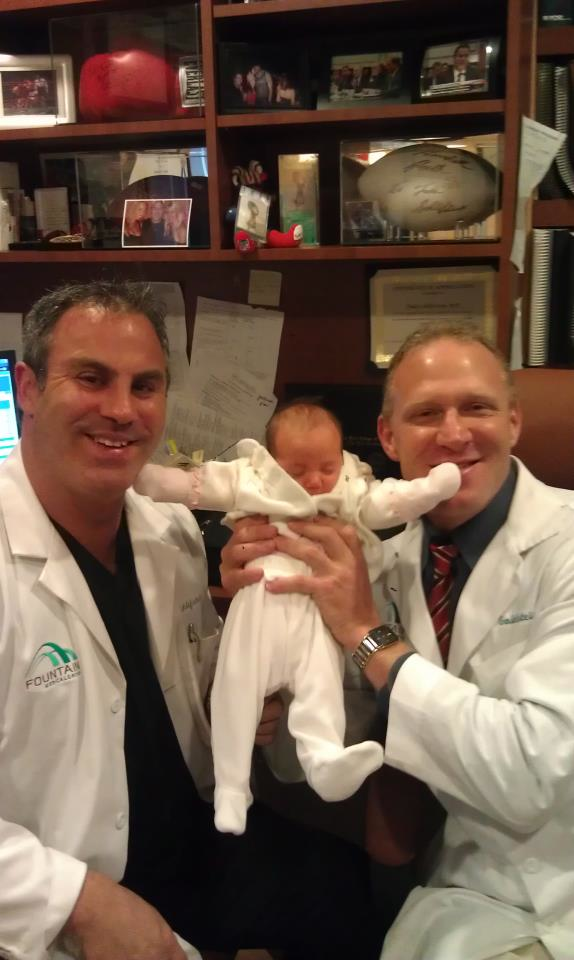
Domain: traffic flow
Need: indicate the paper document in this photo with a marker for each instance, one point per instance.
(163, 163)
(247, 337)
(264, 287)
(538, 147)
(226, 392)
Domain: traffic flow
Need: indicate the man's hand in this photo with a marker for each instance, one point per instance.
(110, 922)
(339, 582)
(267, 730)
(252, 538)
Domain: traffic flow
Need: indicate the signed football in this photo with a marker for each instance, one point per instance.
(428, 186)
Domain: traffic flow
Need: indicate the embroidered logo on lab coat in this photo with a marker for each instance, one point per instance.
(52, 664)
(515, 618)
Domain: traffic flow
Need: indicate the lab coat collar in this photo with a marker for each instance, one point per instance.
(32, 535)
(156, 566)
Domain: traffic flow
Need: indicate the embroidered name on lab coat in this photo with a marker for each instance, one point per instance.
(515, 618)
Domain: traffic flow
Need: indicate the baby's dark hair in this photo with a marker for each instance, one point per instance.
(302, 414)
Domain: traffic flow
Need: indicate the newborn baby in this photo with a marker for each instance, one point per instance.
(270, 642)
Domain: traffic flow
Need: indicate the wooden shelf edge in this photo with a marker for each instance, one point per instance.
(484, 250)
(555, 41)
(267, 7)
(398, 111)
(553, 213)
(77, 131)
(15, 6)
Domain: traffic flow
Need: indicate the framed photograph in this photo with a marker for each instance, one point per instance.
(364, 80)
(253, 213)
(463, 68)
(156, 223)
(420, 191)
(36, 91)
(262, 77)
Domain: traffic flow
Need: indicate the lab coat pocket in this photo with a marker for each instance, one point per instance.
(198, 633)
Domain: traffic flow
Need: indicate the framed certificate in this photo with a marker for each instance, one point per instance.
(404, 299)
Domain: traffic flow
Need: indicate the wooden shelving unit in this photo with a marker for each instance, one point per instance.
(230, 138)
(553, 213)
(554, 42)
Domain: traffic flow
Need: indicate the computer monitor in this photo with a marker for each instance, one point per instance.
(9, 419)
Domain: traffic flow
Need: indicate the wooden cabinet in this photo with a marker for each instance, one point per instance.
(325, 288)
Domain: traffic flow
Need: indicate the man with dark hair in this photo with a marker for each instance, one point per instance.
(108, 642)
(462, 68)
(473, 664)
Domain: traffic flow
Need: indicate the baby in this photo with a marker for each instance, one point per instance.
(272, 641)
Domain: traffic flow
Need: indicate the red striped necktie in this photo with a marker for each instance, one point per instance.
(442, 556)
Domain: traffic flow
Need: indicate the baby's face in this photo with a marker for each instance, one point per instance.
(313, 457)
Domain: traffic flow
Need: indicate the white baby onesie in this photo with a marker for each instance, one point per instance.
(270, 641)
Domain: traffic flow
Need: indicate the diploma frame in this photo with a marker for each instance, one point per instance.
(404, 299)
(36, 91)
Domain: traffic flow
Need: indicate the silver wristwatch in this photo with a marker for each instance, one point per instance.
(377, 639)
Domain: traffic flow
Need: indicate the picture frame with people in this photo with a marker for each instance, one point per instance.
(459, 69)
(36, 91)
(156, 222)
(262, 77)
(364, 79)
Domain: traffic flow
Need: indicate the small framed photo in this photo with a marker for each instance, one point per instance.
(464, 68)
(364, 220)
(156, 222)
(262, 77)
(364, 80)
(253, 213)
(299, 193)
(36, 91)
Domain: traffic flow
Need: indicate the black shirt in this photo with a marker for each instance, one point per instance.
(164, 805)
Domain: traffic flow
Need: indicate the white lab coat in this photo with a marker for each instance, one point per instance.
(63, 795)
(494, 737)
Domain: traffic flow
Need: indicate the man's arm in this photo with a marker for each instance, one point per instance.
(509, 756)
(109, 921)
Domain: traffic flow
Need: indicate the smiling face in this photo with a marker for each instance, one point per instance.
(313, 457)
(451, 402)
(99, 413)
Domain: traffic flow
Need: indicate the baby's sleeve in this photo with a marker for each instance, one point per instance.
(392, 502)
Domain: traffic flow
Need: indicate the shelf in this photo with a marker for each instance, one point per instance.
(553, 213)
(555, 41)
(481, 250)
(393, 8)
(87, 131)
(269, 7)
(398, 111)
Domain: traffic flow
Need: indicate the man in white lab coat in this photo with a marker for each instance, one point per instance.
(107, 648)
(489, 726)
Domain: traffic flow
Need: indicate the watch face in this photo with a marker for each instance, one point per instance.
(386, 634)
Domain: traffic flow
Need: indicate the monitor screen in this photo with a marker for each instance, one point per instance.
(9, 431)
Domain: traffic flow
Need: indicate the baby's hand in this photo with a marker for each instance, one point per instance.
(446, 479)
